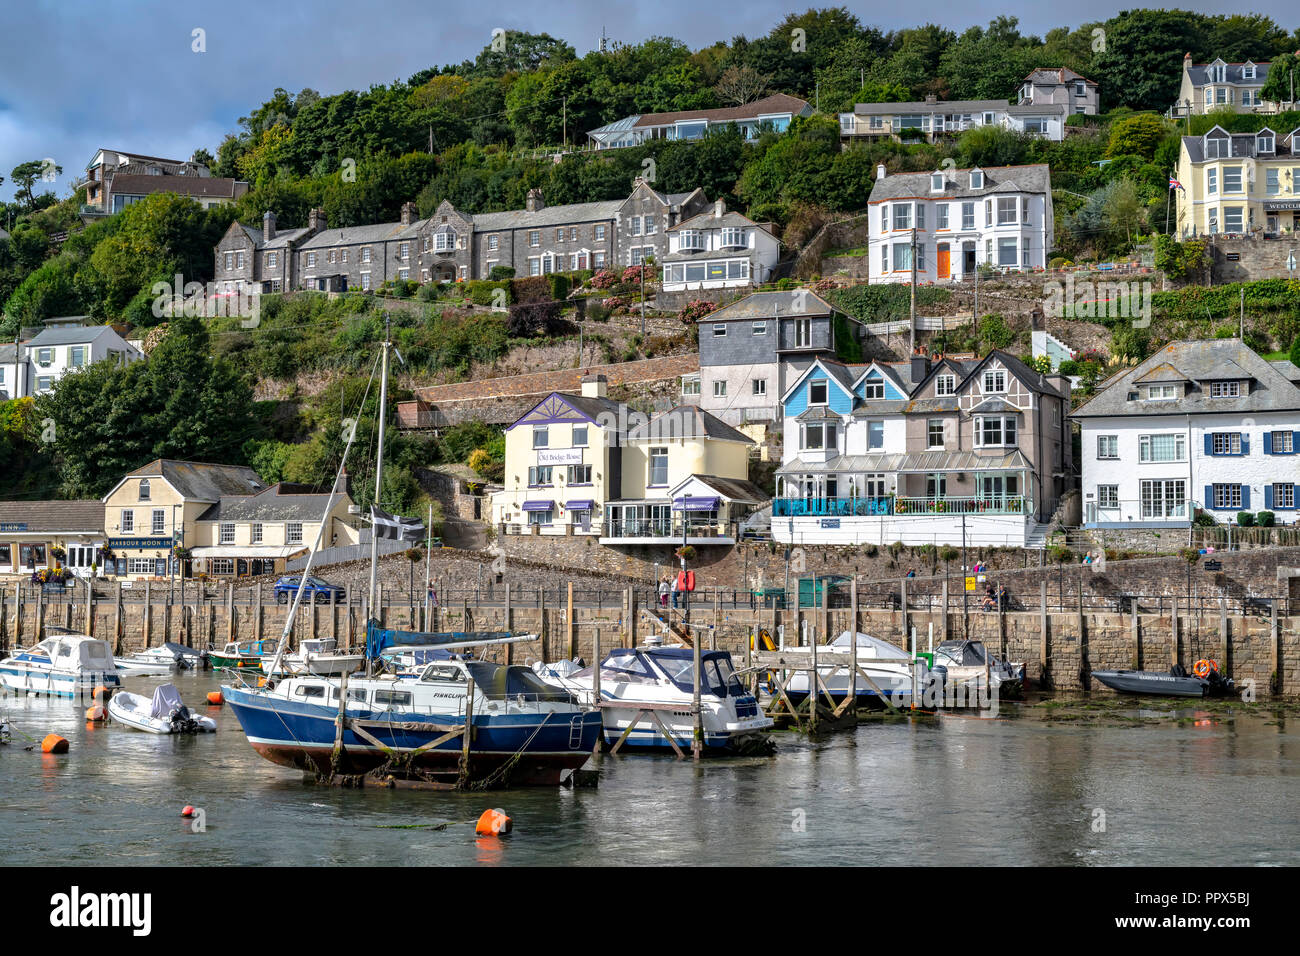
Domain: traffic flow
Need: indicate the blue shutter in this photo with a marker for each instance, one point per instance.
(1268, 498)
(1268, 443)
(1295, 496)
(1295, 436)
(1209, 444)
(1245, 443)
(1245, 497)
(1209, 496)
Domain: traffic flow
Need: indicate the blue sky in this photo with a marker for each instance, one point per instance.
(77, 75)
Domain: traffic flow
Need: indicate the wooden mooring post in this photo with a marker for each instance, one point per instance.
(569, 624)
(147, 619)
(1044, 669)
(1173, 631)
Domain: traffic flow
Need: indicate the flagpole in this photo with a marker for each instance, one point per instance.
(379, 478)
(1169, 198)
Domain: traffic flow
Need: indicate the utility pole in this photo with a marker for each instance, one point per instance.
(1241, 322)
(564, 121)
(911, 322)
(975, 311)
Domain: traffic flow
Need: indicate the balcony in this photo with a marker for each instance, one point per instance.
(668, 532)
(891, 505)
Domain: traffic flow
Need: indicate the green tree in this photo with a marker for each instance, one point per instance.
(1283, 83)
(1137, 135)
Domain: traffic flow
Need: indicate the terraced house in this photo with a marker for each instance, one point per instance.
(938, 450)
(1239, 183)
(1219, 84)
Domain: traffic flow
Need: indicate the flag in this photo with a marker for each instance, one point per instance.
(396, 527)
(1175, 184)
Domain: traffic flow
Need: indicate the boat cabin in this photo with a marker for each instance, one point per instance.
(674, 665)
(74, 654)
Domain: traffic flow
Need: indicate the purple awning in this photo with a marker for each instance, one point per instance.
(539, 505)
(582, 504)
(696, 504)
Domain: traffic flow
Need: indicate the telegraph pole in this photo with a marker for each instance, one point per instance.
(911, 322)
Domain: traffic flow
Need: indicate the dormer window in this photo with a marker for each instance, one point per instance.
(1162, 393)
(1248, 71)
(1216, 147)
(873, 389)
(1219, 71)
(444, 239)
(1264, 142)
(936, 182)
(977, 179)
(733, 238)
(995, 380)
(144, 489)
(1225, 389)
(1080, 88)
(692, 239)
(817, 392)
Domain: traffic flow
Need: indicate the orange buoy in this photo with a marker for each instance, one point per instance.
(214, 697)
(100, 691)
(54, 744)
(493, 823)
(95, 712)
(188, 811)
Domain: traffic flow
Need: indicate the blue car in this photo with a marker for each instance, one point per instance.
(326, 593)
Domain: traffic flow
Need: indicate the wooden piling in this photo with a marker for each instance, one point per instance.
(1224, 640)
(90, 607)
(1275, 653)
(1173, 631)
(1135, 631)
(568, 622)
(257, 612)
(853, 611)
(40, 614)
(595, 673)
(509, 627)
(902, 607)
(18, 614)
(230, 612)
(943, 613)
(1043, 668)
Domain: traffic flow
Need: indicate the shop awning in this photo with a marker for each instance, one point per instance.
(539, 505)
(696, 503)
(581, 504)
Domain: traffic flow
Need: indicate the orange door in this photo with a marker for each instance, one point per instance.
(944, 270)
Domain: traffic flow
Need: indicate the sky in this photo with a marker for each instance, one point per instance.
(77, 75)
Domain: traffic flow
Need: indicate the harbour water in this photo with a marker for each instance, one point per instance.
(1186, 787)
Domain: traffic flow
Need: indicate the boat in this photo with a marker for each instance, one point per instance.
(965, 663)
(892, 669)
(317, 656)
(1175, 682)
(143, 665)
(460, 723)
(183, 657)
(163, 713)
(242, 654)
(658, 675)
(66, 665)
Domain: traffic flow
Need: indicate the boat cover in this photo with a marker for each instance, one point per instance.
(875, 647)
(380, 639)
(497, 683)
(166, 699)
(962, 653)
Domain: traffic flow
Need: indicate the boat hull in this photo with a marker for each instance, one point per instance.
(128, 710)
(740, 736)
(46, 683)
(541, 749)
(1152, 684)
(217, 659)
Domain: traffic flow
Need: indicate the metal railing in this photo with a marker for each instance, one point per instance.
(893, 505)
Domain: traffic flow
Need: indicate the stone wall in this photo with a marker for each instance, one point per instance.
(1254, 259)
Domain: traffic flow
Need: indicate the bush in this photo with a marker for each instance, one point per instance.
(1203, 520)
(1245, 519)
(559, 284)
(1264, 519)
(530, 319)
(597, 312)
(501, 272)
(427, 292)
(603, 279)
(484, 292)
(531, 289)
(695, 310)
(995, 331)
(1069, 367)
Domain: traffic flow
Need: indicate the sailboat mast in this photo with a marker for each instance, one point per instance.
(379, 472)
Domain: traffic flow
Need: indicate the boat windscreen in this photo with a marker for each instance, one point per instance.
(717, 676)
(499, 683)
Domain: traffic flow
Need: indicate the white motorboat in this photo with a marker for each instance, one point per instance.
(180, 655)
(966, 662)
(730, 716)
(164, 713)
(891, 668)
(67, 665)
(144, 665)
(318, 656)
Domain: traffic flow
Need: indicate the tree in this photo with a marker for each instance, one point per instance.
(1141, 66)
(1137, 135)
(986, 64)
(25, 176)
(1283, 81)
(741, 84)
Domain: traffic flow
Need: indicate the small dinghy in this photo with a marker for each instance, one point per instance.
(1176, 682)
(165, 713)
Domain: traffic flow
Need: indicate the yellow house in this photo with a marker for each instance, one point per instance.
(685, 480)
(1239, 183)
(562, 463)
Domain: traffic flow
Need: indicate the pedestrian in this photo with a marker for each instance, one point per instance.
(675, 588)
(433, 597)
(911, 572)
(664, 588)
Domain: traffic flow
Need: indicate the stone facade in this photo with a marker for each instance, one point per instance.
(1246, 260)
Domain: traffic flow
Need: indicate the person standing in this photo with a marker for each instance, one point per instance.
(663, 592)
(675, 589)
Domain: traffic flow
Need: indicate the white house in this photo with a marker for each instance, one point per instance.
(1219, 84)
(999, 217)
(1207, 426)
(62, 348)
(1059, 85)
(932, 119)
(774, 113)
(718, 249)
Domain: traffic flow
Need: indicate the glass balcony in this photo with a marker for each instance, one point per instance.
(891, 505)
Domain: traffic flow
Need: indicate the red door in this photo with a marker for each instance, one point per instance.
(944, 267)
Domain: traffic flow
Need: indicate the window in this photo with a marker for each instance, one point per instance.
(1225, 389)
(995, 380)
(691, 239)
(936, 182)
(803, 333)
(128, 520)
(1232, 179)
(311, 259)
(1163, 499)
(1227, 496)
(945, 385)
(444, 240)
(541, 517)
(968, 215)
(1282, 443)
(875, 436)
(599, 232)
(1162, 393)
(534, 265)
(636, 225)
(902, 215)
(1225, 443)
(941, 216)
(272, 260)
(534, 237)
(1080, 88)
(884, 257)
(1232, 219)
(1007, 251)
(144, 489)
(976, 175)
(720, 329)
(541, 475)
(690, 386)
(1171, 447)
(884, 217)
(293, 532)
(934, 433)
(256, 533)
(573, 230)
(1107, 446)
(819, 436)
(598, 260)
(559, 234)
(874, 389)
(817, 392)
(76, 356)
(658, 467)
(44, 383)
(579, 475)
(719, 389)
(1024, 253)
(45, 357)
(579, 436)
(541, 438)
(995, 430)
(920, 216)
(733, 237)
(158, 521)
(902, 256)
(1006, 210)
(936, 486)
(760, 386)
(760, 328)
(1108, 496)
(140, 566)
(1271, 185)
(226, 533)
(365, 280)
(1284, 495)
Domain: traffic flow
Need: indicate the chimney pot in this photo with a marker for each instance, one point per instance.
(594, 386)
(719, 208)
(880, 171)
(268, 226)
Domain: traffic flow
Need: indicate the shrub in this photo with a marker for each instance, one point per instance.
(1245, 519)
(1264, 519)
(597, 312)
(531, 289)
(483, 292)
(1060, 554)
(632, 275)
(1190, 555)
(995, 331)
(603, 279)
(559, 284)
(1202, 520)
(1069, 367)
(498, 273)
(530, 319)
(695, 310)
(1295, 351)
(427, 292)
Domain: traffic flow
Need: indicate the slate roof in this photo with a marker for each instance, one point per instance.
(1199, 74)
(686, 421)
(707, 220)
(353, 235)
(76, 335)
(547, 216)
(55, 516)
(776, 103)
(733, 489)
(919, 463)
(1062, 74)
(997, 179)
(201, 481)
(283, 237)
(957, 106)
(763, 305)
(273, 504)
(207, 187)
(1285, 146)
(1203, 361)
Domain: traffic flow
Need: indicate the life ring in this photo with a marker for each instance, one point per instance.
(1203, 667)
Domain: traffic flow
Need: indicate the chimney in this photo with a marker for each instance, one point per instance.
(408, 213)
(534, 202)
(931, 99)
(594, 386)
(719, 208)
(880, 171)
(920, 365)
(268, 226)
(316, 221)
(674, 214)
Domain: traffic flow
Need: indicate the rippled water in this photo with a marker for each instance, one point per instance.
(950, 790)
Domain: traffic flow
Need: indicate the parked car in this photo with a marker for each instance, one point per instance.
(287, 587)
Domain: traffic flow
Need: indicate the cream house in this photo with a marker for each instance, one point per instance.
(1239, 183)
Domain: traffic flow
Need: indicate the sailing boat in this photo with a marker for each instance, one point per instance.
(458, 723)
